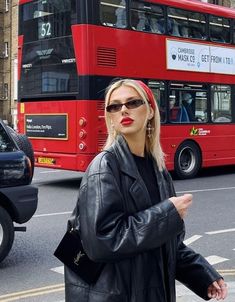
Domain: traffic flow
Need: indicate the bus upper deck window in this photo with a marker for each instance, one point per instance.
(177, 22)
(113, 13)
(147, 17)
(187, 24)
(197, 25)
(219, 29)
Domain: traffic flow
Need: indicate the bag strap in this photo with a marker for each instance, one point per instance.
(73, 222)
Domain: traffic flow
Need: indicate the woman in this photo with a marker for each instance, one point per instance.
(130, 218)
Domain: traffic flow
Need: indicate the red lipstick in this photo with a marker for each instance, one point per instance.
(126, 121)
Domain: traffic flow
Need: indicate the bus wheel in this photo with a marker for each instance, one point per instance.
(24, 144)
(187, 160)
(6, 233)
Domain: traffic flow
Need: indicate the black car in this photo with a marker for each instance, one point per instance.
(18, 198)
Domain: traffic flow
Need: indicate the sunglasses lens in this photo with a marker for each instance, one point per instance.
(134, 104)
(114, 108)
(129, 105)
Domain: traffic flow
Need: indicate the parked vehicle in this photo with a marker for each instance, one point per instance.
(18, 198)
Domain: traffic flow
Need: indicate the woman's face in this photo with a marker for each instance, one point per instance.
(131, 123)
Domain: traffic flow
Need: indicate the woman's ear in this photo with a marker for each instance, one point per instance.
(151, 113)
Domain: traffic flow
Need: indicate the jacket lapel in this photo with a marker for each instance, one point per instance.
(127, 165)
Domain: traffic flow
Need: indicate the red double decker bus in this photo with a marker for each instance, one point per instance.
(70, 50)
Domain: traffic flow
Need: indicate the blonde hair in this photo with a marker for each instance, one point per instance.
(152, 143)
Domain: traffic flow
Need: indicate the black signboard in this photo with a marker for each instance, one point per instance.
(52, 126)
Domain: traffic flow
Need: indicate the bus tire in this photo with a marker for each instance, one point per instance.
(188, 160)
(6, 233)
(24, 144)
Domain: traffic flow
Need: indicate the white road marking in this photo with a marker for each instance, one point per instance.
(52, 214)
(213, 259)
(192, 239)
(226, 272)
(206, 190)
(220, 231)
(58, 269)
(50, 171)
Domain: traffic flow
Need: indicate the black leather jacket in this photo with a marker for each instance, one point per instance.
(120, 226)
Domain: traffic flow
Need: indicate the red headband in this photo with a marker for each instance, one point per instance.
(149, 93)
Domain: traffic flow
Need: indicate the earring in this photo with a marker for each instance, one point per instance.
(149, 129)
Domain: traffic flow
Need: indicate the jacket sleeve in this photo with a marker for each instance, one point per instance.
(193, 270)
(108, 233)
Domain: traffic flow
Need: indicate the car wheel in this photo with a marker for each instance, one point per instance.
(187, 160)
(6, 233)
(24, 144)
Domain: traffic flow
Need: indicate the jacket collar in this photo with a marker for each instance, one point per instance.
(125, 159)
(128, 166)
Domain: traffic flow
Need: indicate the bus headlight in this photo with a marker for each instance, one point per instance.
(82, 146)
(82, 122)
(82, 134)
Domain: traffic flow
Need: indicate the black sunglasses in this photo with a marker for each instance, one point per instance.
(132, 104)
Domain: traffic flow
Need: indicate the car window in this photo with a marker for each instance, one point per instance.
(6, 145)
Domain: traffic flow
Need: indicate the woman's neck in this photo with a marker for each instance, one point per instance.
(136, 145)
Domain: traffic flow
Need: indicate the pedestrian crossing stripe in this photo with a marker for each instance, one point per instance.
(58, 269)
(192, 239)
(213, 259)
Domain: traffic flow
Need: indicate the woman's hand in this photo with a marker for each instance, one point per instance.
(182, 203)
(218, 290)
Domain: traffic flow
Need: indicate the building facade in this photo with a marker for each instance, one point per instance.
(8, 56)
(8, 59)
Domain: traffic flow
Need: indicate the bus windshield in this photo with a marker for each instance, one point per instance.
(48, 60)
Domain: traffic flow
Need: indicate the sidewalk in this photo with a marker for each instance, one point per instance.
(185, 295)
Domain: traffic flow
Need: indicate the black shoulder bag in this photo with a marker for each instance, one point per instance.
(70, 251)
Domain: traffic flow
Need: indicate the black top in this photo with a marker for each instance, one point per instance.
(146, 170)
